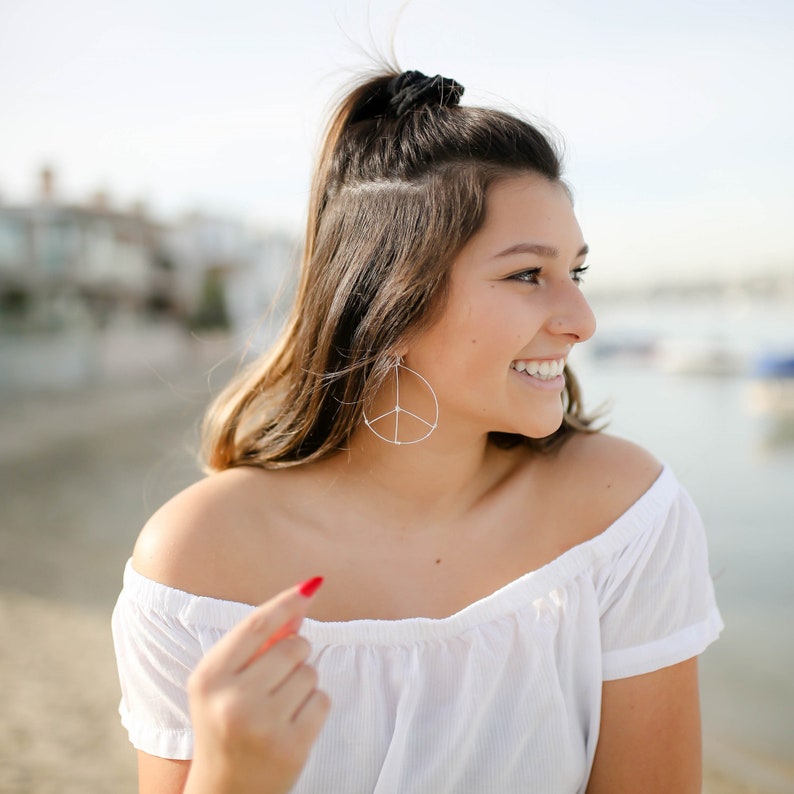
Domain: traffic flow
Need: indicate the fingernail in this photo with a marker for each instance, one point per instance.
(310, 586)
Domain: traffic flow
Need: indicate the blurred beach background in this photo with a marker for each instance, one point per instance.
(154, 168)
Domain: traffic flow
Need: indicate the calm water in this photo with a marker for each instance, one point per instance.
(738, 465)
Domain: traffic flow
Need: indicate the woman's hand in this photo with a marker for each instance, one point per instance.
(254, 703)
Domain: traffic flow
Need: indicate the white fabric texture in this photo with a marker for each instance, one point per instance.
(502, 696)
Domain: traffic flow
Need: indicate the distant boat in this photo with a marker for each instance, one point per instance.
(700, 357)
(773, 388)
(773, 366)
(627, 347)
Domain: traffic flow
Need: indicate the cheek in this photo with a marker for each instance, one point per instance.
(483, 335)
(477, 336)
(488, 351)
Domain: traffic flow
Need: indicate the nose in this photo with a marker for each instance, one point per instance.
(572, 315)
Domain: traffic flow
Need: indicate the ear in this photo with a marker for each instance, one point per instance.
(400, 352)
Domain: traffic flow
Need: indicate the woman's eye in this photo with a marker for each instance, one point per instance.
(528, 276)
(578, 273)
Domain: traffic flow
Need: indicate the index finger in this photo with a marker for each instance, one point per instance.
(235, 650)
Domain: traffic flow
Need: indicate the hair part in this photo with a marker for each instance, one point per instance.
(393, 201)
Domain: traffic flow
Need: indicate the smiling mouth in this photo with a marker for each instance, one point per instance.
(542, 370)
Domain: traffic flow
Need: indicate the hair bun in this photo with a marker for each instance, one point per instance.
(412, 90)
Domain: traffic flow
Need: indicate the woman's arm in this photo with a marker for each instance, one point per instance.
(163, 775)
(650, 734)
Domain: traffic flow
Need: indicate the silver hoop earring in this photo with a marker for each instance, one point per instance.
(398, 410)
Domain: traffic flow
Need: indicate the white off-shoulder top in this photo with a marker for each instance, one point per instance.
(503, 696)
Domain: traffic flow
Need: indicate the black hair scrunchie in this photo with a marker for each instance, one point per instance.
(411, 90)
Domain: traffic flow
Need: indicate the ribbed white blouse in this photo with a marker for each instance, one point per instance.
(503, 696)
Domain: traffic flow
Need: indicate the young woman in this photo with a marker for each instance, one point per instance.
(512, 601)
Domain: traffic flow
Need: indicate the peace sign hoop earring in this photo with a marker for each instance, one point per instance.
(400, 410)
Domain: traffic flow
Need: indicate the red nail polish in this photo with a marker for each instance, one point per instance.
(310, 586)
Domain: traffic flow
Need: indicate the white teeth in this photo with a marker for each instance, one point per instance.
(543, 370)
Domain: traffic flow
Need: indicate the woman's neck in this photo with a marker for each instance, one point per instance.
(431, 483)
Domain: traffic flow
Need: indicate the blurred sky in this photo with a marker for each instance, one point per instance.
(677, 114)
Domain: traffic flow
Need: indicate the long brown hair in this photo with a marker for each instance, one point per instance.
(394, 198)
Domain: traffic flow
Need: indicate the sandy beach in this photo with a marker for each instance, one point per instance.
(79, 473)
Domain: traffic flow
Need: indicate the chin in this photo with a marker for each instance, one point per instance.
(550, 431)
(537, 427)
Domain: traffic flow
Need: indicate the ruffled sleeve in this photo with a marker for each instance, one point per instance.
(160, 634)
(656, 596)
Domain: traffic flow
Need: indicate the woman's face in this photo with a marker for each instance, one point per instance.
(514, 312)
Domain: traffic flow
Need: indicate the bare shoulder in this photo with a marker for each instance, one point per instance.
(196, 540)
(608, 475)
(602, 458)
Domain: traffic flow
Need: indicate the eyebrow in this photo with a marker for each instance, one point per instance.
(538, 249)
